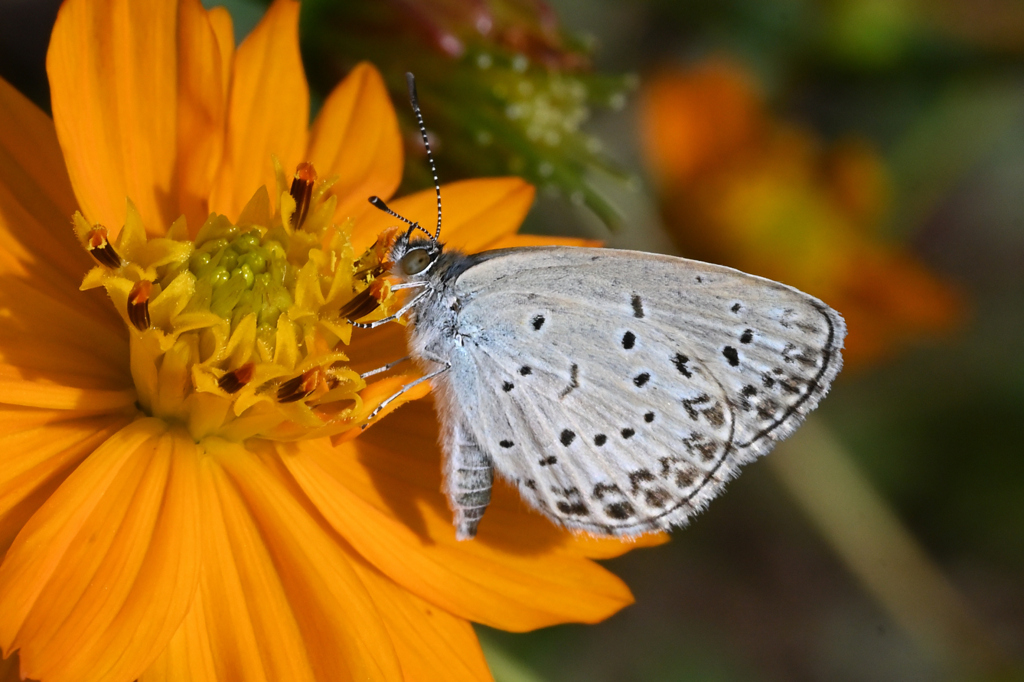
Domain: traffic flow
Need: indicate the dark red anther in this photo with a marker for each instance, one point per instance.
(235, 380)
(298, 388)
(101, 249)
(361, 305)
(138, 304)
(302, 192)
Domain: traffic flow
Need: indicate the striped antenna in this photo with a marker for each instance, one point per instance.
(414, 100)
(379, 203)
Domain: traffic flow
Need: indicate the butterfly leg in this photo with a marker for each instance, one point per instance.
(402, 390)
(384, 368)
(390, 318)
(469, 476)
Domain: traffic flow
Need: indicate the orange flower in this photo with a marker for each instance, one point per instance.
(171, 504)
(743, 189)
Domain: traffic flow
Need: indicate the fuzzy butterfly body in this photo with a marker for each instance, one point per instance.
(618, 390)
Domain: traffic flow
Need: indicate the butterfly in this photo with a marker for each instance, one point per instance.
(617, 390)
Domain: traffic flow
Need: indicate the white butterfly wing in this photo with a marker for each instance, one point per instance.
(620, 390)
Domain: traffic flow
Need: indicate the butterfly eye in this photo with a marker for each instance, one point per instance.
(415, 262)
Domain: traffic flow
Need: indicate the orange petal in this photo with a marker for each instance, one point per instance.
(371, 349)
(203, 79)
(223, 29)
(517, 240)
(382, 492)
(334, 630)
(35, 458)
(15, 419)
(356, 137)
(59, 392)
(431, 643)
(36, 202)
(189, 657)
(268, 110)
(594, 547)
(113, 85)
(241, 610)
(476, 212)
(399, 389)
(58, 356)
(50, 341)
(9, 669)
(100, 578)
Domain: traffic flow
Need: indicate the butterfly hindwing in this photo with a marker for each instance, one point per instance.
(621, 390)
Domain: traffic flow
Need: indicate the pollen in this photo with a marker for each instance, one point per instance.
(239, 329)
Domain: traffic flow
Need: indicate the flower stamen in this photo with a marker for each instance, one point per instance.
(302, 192)
(100, 248)
(300, 387)
(138, 304)
(235, 380)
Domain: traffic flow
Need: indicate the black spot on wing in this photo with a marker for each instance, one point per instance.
(686, 477)
(699, 444)
(567, 437)
(538, 322)
(574, 383)
(747, 336)
(572, 502)
(639, 477)
(703, 406)
(680, 361)
(638, 307)
(649, 417)
(657, 498)
(731, 355)
(628, 340)
(573, 508)
(506, 444)
(641, 379)
(619, 510)
(525, 370)
(628, 433)
(507, 386)
(600, 439)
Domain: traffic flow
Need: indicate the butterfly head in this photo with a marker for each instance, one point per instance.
(413, 257)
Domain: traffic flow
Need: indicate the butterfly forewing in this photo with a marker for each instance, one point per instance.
(620, 390)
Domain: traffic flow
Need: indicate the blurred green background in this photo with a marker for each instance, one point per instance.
(868, 151)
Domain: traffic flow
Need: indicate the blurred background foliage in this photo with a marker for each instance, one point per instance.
(868, 151)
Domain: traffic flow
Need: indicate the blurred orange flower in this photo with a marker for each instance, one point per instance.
(171, 504)
(741, 188)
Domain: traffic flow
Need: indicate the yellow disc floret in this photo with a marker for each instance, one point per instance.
(237, 332)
